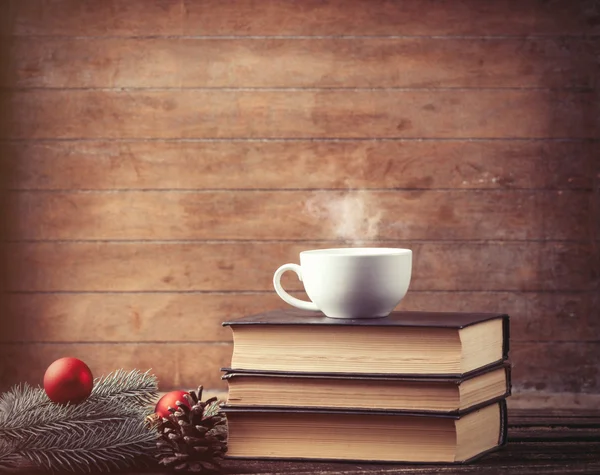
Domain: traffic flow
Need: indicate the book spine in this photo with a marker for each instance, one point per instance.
(503, 436)
(508, 370)
(505, 336)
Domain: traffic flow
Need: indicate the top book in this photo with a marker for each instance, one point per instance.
(404, 343)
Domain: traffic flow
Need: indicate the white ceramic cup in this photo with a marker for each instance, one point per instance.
(363, 282)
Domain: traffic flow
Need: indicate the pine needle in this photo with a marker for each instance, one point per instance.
(135, 385)
(38, 414)
(110, 446)
(8, 458)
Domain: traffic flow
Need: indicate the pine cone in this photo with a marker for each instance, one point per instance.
(193, 439)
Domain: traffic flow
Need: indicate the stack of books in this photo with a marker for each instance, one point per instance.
(410, 387)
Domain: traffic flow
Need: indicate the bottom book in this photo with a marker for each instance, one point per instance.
(364, 435)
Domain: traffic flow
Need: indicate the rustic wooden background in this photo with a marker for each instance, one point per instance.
(161, 158)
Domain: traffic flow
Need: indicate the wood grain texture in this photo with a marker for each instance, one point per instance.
(197, 317)
(331, 62)
(545, 366)
(139, 266)
(413, 17)
(361, 164)
(311, 17)
(39, 114)
(556, 367)
(5, 178)
(294, 215)
(106, 18)
(84, 62)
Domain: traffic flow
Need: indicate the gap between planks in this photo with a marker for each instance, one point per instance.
(527, 37)
(296, 139)
(290, 190)
(293, 89)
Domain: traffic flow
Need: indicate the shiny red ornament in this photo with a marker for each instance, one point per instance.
(68, 380)
(170, 400)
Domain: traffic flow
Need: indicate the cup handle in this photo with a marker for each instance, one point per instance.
(303, 304)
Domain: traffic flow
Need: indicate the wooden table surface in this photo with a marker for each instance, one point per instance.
(540, 441)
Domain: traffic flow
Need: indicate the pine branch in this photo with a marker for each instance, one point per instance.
(212, 407)
(38, 415)
(140, 387)
(104, 432)
(115, 445)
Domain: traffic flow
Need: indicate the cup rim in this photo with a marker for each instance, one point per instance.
(359, 251)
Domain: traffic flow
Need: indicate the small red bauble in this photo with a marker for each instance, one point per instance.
(68, 380)
(170, 400)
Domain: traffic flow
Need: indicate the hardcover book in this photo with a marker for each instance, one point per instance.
(384, 393)
(404, 343)
(365, 435)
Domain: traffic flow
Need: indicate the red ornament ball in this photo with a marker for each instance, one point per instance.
(170, 400)
(68, 380)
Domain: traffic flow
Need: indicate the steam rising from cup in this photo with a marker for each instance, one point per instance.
(351, 215)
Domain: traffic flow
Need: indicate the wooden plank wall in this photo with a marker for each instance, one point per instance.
(162, 158)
